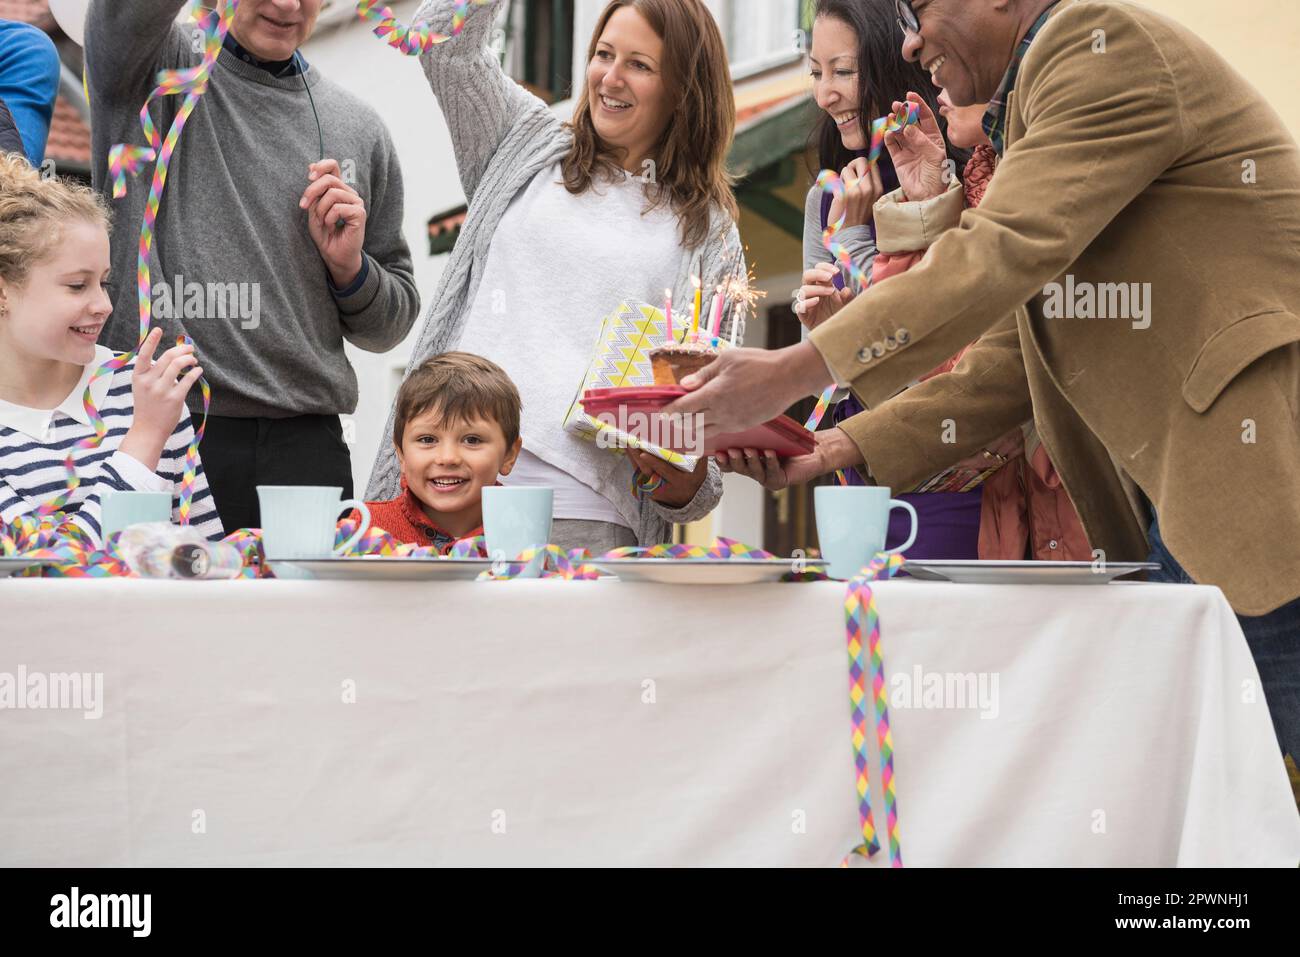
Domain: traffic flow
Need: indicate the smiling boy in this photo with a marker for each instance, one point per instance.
(456, 430)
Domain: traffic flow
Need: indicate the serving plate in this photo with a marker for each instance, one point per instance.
(387, 569)
(1024, 573)
(12, 566)
(706, 571)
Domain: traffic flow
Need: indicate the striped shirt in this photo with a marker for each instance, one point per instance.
(34, 444)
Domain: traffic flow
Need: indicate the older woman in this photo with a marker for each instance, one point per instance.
(566, 221)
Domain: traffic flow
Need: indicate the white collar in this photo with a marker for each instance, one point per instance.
(36, 422)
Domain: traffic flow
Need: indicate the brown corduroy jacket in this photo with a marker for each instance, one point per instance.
(1146, 216)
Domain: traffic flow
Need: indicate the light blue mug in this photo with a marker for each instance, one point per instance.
(298, 521)
(119, 510)
(853, 523)
(517, 519)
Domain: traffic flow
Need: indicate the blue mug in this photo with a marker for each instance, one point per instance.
(852, 524)
(298, 521)
(119, 510)
(515, 520)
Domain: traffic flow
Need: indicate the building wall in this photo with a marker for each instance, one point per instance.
(1259, 38)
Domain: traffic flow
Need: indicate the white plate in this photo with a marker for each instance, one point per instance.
(706, 571)
(11, 566)
(1023, 573)
(389, 569)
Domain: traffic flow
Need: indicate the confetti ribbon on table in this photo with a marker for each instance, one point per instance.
(124, 158)
(417, 38)
(65, 551)
(721, 548)
(374, 543)
(556, 563)
(61, 547)
(862, 626)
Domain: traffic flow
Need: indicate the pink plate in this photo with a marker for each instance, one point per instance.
(636, 410)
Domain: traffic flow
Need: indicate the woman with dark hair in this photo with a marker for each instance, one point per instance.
(857, 75)
(568, 220)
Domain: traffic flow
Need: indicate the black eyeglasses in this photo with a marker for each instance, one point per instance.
(907, 19)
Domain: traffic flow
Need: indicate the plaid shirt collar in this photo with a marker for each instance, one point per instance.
(414, 513)
(995, 120)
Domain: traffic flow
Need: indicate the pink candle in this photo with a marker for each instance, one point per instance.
(715, 326)
(668, 312)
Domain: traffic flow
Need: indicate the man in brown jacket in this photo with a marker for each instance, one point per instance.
(1146, 216)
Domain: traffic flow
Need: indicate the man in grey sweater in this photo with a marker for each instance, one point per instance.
(279, 235)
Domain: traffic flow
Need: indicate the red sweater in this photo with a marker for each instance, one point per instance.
(405, 520)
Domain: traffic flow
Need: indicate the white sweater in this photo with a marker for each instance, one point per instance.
(35, 442)
(559, 264)
(504, 137)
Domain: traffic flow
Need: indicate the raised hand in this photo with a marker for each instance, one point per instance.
(818, 299)
(862, 187)
(336, 220)
(158, 389)
(919, 153)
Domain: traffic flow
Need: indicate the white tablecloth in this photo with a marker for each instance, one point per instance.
(614, 723)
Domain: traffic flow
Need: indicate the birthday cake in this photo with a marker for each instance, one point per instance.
(677, 360)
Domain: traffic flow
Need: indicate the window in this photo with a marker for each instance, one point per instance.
(543, 62)
(759, 42)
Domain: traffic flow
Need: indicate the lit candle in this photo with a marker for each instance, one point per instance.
(699, 302)
(668, 312)
(736, 320)
(715, 327)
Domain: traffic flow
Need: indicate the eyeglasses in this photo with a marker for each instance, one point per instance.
(907, 19)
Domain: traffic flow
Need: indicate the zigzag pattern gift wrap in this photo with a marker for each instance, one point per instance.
(621, 359)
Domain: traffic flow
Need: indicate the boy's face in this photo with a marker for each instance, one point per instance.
(448, 464)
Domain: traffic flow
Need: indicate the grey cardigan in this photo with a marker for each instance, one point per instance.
(859, 240)
(503, 136)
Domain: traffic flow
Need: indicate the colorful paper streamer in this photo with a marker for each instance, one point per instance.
(830, 182)
(819, 412)
(862, 627)
(815, 419)
(417, 38)
(125, 158)
(721, 548)
(643, 484)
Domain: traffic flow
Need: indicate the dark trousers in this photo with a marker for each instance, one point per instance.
(241, 454)
(1274, 641)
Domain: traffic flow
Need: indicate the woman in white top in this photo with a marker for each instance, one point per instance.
(568, 220)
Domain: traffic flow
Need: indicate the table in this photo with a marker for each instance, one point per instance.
(320, 723)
